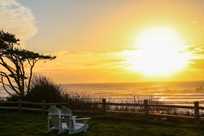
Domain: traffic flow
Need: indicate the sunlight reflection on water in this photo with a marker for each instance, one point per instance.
(171, 92)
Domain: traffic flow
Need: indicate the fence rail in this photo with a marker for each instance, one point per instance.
(145, 107)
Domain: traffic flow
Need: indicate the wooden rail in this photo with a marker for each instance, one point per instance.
(146, 108)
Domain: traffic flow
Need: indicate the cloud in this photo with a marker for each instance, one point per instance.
(84, 60)
(17, 19)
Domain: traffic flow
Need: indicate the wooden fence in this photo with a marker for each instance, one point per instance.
(194, 111)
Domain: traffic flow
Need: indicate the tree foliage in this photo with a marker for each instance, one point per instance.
(17, 65)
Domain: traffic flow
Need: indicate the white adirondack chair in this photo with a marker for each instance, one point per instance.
(65, 122)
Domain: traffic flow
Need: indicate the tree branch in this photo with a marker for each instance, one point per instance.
(9, 81)
(32, 64)
(4, 87)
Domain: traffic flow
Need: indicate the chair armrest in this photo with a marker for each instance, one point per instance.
(83, 118)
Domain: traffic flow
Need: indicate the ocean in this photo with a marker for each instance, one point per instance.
(171, 92)
(162, 91)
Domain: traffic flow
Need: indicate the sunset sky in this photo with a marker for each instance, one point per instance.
(97, 40)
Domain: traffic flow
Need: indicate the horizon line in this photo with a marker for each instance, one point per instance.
(132, 82)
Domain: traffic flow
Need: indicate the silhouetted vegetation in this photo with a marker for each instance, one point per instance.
(17, 65)
(42, 89)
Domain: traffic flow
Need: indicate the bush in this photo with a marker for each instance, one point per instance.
(43, 89)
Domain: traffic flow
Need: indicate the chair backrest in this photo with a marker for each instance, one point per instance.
(66, 111)
(67, 116)
(54, 120)
(53, 110)
(58, 116)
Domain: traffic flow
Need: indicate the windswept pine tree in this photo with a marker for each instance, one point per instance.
(17, 64)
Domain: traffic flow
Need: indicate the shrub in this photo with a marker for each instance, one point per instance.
(42, 89)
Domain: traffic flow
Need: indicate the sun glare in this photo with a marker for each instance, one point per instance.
(160, 51)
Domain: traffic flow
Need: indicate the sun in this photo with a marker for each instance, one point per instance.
(160, 51)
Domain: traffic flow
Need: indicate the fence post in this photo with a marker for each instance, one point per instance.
(43, 105)
(104, 104)
(196, 110)
(146, 108)
(19, 105)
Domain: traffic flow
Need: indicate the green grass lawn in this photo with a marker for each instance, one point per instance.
(35, 124)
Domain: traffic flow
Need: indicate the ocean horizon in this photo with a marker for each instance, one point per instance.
(176, 92)
(135, 88)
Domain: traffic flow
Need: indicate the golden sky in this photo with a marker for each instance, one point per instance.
(91, 39)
